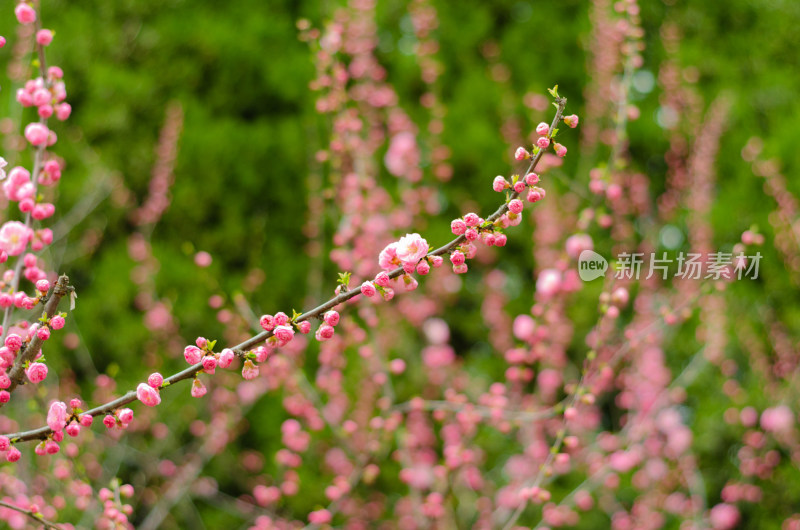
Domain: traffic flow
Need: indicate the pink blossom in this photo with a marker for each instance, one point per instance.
(543, 142)
(4, 443)
(457, 258)
(320, 517)
(125, 415)
(109, 421)
(198, 388)
(423, 268)
(531, 179)
(500, 240)
(284, 334)
(13, 454)
(267, 322)
(192, 354)
(324, 332)
(226, 357)
(387, 259)
(542, 129)
(472, 219)
(411, 248)
(44, 37)
(304, 327)
(57, 322)
(36, 372)
(723, 516)
(561, 151)
(515, 206)
(471, 234)
(57, 416)
(25, 13)
(14, 237)
(281, 318)
(367, 289)
(209, 364)
(331, 318)
(500, 183)
(87, 420)
(521, 154)
(548, 283)
(155, 380)
(37, 134)
(572, 120)
(402, 157)
(777, 419)
(382, 279)
(458, 226)
(148, 395)
(249, 370)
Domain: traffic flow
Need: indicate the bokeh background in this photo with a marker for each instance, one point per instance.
(214, 99)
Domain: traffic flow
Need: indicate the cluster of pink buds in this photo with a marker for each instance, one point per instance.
(48, 97)
(475, 228)
(518, 185)
(115, 513)
(119, 418)
(326, 330)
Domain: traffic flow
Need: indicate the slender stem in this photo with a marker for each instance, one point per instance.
(36, 517)
(188, 373)
(29, 352)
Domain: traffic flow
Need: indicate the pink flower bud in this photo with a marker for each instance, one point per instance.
(519, 187)
(382, 279)
(36, 372)
(542, 129)
(198, 389)
(13, 454)
(63, 110)
(109, 421)
(42, 286)
(267, 322)
(226, 358)
(43, 333)
(57, 322)
(73, 429)
(436, 261)
(13, 342)
(4, 443)
(471, 234)
(534, 195)
(249, 370)
(44, 37)
(75, 403)
(51, 447)
(572, 121)
(367, 289)
(25, 13)
(543, 142)
(472, 219)
(192, 354)
(515, 206)
(500, 183)
(305, 326)
(458, 227)
(148, 394)
(531, 179)
(460, 269)
(281, 319)
(126, 415)
(285, 334)
(86, 420)
(457, 258)
(423, 268)
(57, 416)
(209, 364)
(388, 293)
(201, 342)
(560, 150)
(36, 133)
(331, 318)
(324, 332)
(521, 154)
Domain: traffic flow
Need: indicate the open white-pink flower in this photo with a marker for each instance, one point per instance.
(14, 237)
(57, 416)
(411, 248)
